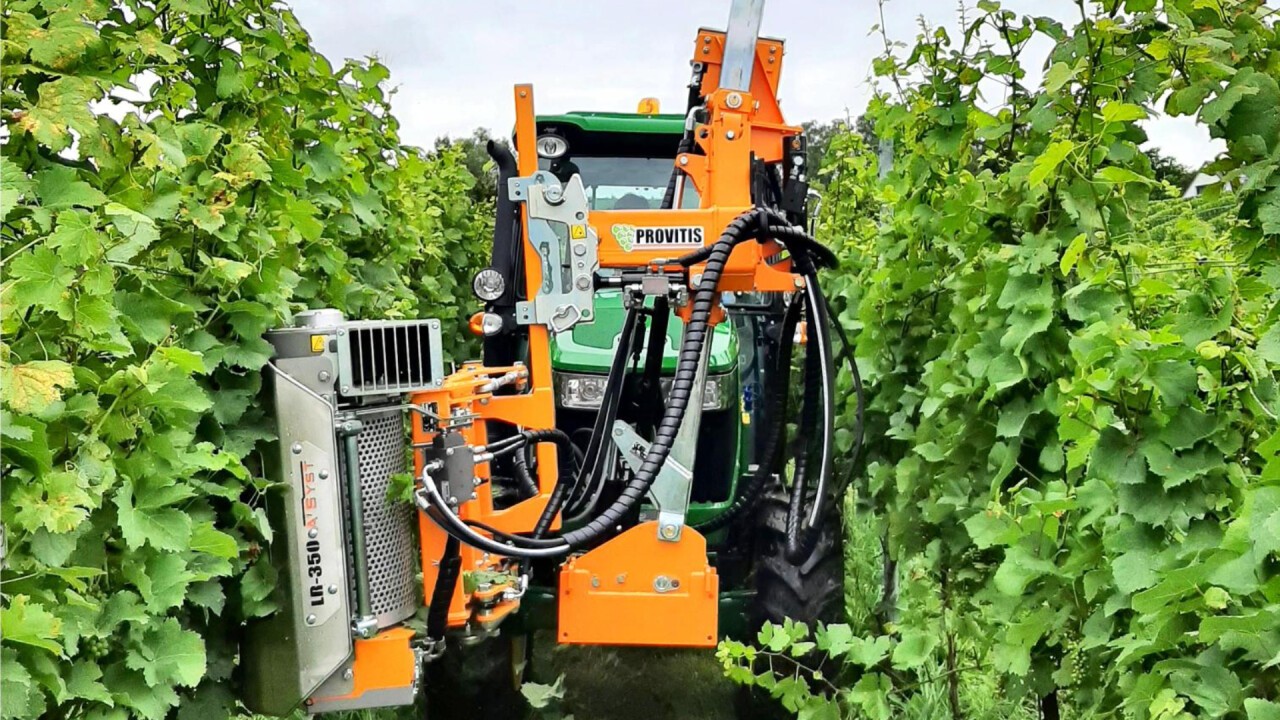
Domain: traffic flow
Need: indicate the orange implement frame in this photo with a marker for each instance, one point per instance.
(638, 590)
(634, 589)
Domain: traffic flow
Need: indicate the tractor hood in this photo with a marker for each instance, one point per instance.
(589, 348)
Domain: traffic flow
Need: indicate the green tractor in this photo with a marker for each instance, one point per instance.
(625, 162)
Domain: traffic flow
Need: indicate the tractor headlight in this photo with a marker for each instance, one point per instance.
(488, 285)
(585, 392)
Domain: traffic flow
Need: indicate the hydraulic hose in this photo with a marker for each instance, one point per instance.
(778, 399)
(442, 593)
(750, 225)
(802, 534)
(696, 331)
(589, 474)
(859, 431)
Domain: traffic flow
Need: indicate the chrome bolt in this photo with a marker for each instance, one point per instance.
(553, 194)
(730, 134)
(453, 500)
(799, 282)
(669, 532)
(583, 283)
(346, 389)
(297, 448)
(311, 619)
(324, 474)
(348, 674)
(313, 533)
(324, 376)
(333, 589)
(684, 159)
(733, 100)
(475, 481)
(449, 452)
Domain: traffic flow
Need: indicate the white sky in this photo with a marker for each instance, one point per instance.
(454, 62)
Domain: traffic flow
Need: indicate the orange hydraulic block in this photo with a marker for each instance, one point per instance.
(639, 590)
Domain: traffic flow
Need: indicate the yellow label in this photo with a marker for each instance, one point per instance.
(578, 232)
(317, 343)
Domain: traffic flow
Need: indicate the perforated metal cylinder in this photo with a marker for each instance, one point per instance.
(388, 525)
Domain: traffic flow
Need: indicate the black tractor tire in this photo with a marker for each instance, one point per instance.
(478, 682)
(811, 591)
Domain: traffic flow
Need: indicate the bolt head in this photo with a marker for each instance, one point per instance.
(799, 282)
(313, 533)
(324, 376)
(684, 159)
(730, 134)
(669, 531)
(348, 674)
(733, 100)
(324, 474)
(332, 589)
(311, 619)
(297, 448)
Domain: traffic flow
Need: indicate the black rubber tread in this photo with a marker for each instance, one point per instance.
(475, 683)
(810, 592)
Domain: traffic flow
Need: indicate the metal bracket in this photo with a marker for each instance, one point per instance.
(567, 247)
(672, 488)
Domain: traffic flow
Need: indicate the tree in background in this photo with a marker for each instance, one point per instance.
(476, 159)
(1166, 169)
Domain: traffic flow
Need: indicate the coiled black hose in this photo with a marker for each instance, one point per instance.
(750, 225)
(696, 332)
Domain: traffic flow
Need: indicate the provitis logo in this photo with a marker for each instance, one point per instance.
(631, 237)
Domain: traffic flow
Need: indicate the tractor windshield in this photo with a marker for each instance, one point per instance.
(621, 183)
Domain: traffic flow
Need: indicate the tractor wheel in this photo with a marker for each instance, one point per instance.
(810, 592)
(478, 682)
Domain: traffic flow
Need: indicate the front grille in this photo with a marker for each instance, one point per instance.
(385, 358)
(388, 525)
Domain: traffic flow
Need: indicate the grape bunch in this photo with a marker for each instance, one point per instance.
(95, 647)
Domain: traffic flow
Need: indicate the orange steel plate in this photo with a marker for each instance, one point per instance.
(610, 595)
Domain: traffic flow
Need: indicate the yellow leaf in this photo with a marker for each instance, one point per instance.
(31, 387)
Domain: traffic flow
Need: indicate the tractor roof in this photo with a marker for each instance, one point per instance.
(617, 122)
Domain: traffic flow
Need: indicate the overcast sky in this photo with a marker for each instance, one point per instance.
(453, 62)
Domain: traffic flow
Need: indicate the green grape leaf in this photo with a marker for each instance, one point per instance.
(28, 623)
